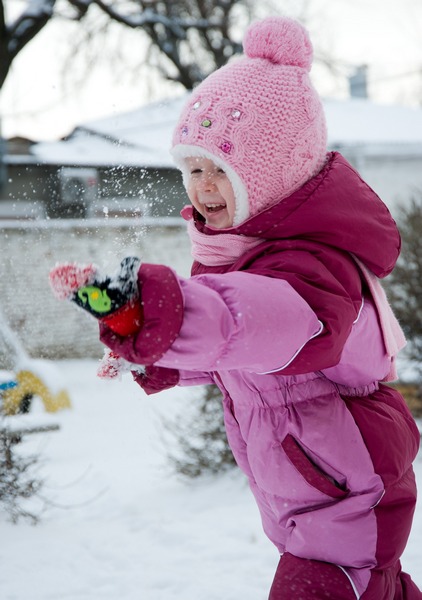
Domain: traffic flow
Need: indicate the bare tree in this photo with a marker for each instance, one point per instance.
(15, 35)
(192, 37)
(184, 40)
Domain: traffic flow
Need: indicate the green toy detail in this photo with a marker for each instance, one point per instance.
(97, 299)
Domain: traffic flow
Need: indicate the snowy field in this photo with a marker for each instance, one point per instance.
(117, 524)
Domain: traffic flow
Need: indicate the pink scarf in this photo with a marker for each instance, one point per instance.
(219, 249)
(393, 335)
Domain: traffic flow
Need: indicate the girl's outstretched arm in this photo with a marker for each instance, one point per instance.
(216, 322)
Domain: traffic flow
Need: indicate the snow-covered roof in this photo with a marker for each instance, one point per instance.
(381, 129)
(142, 137)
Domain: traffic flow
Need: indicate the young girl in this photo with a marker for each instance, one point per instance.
(285, 313)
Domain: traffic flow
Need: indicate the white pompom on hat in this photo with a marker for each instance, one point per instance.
(259, 118)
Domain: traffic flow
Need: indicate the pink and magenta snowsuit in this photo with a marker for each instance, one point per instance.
(290, 335)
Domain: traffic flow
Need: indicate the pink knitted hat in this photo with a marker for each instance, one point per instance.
(259, 118)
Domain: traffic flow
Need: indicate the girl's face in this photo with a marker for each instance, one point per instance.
(210, 192)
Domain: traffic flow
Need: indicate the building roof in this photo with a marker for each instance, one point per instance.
(142, 137)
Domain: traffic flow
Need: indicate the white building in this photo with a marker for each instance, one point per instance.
(383, 142)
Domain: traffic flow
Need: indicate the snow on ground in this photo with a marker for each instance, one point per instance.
(118, 524)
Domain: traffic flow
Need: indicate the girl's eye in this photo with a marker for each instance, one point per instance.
(196, 171)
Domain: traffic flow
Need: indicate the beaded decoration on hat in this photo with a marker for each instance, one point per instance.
(259, 118)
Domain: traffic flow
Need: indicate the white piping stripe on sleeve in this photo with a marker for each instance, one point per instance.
(321, 327)
(378, 501)
(360, 310)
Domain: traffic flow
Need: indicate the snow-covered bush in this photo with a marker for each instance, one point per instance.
(404, 285)
(202, 446)
(17, 482)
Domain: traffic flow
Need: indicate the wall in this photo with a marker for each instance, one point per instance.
(395, 177)
(382, 176)
(28, 250)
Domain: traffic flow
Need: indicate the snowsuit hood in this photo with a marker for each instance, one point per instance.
(318, 211)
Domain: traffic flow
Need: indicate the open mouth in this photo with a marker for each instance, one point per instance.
(213, 208)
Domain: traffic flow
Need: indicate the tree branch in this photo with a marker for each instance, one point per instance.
(14, 37)
(28, 24)
(2, 22)
(146, 17)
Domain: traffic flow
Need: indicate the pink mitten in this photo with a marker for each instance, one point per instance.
(113, 300)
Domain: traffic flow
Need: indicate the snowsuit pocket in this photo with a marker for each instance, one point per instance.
(312, 474)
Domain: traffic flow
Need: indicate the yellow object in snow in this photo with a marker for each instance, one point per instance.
(17, 399)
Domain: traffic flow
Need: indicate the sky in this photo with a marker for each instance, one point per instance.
(39, 102)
